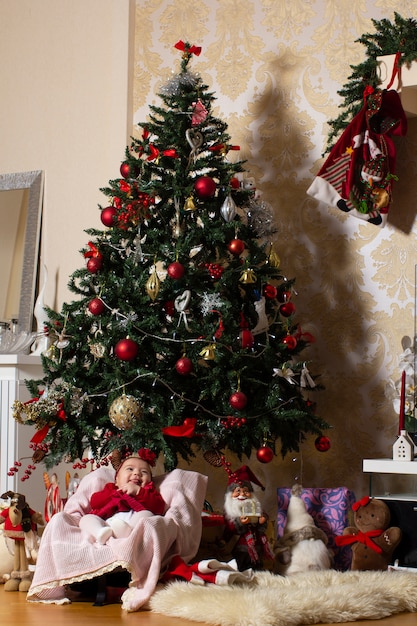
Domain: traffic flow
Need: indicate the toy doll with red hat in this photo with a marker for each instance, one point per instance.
(244, 518)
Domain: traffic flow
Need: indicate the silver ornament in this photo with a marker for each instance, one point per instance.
(228, 209)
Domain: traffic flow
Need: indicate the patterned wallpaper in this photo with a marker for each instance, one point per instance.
(276, 68)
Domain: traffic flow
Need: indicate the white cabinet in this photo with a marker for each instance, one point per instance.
(14, 437)
(390, 466)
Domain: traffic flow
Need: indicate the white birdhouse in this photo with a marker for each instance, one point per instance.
(403, 448)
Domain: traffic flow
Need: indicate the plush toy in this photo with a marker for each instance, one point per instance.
(245, 519)
(372, 539)
(20, 525)
(303, 546)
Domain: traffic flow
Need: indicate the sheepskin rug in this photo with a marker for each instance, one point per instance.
(311, 598)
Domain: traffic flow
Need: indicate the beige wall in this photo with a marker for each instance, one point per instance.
(64, 108)
(276, 67)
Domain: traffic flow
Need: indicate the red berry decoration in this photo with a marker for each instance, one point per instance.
(270, 292)
(184, 366)
(246, 338)
(265, 454)
(287, 309)
(96, 306)
(238, 400)
(94, 264)
(322, 444)
(126, 349)
(176, 270)
(108, 216)
(205, 187)
(290, 342)
(236, 247)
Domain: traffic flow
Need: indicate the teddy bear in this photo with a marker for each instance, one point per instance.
(372, 539)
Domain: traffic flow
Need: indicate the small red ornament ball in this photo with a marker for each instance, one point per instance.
(127, 171)
(265, 454)
(238, 400)
(108, 216)
(94, 264)
(205, 187)
(290, 342)
(184, 366)
(176, 270)
(322, 444)
(284, 296)
(234, 183)
(287, 309)
(246, 338)
(270, 292)
(236, 247)
(96, 306)
(126, 349)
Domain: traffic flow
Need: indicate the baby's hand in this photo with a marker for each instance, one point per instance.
(131, 489)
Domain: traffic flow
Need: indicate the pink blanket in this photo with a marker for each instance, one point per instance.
(67, 556)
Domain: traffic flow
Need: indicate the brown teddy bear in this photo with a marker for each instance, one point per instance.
(372, 540)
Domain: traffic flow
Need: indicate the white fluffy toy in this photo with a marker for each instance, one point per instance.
(303, 546)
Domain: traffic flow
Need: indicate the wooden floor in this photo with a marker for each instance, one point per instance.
(15, 610)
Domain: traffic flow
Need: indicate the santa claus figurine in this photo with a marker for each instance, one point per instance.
(245, 519)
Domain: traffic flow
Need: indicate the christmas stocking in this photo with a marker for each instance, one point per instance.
(358, 175)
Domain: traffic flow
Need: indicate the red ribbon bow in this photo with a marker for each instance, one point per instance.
(365, 538)
(93, 252)
(185, 47)
(362, 502)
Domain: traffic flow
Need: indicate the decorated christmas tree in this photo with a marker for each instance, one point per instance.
(183, 337)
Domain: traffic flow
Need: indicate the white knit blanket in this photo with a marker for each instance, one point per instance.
(67, 556)
(313, 598)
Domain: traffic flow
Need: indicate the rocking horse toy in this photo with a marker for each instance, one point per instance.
(20, 525)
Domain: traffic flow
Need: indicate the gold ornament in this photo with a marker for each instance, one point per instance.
(152, 285)
(248, 277)
(189, 204)
(208, 353)
(273, 259)
(124, 411)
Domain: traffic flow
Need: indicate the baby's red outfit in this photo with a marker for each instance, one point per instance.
(111, 500)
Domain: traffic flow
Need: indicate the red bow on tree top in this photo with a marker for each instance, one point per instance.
(187, 48)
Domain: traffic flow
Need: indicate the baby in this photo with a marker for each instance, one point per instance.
(118, 505)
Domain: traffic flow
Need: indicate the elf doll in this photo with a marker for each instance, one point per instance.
(244, 518)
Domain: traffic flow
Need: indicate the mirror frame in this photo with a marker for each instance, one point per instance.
(34, 182)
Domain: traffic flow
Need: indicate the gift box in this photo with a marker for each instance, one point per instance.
(331, 512)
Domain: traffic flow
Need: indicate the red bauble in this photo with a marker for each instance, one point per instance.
(265, 454)
(205, 187)
(126, 349)
(238, 400)
(290, 342)
(236, 246)
(246, 338)
(234, 183)
(184, 366)
(94, 264)
(176, 270)
(270, 292)
(108, 216)
(287, 309)
(322, 443)
(284, 296)
(128, 170)
(96, 306)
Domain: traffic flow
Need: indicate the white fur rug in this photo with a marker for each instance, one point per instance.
(313, 598)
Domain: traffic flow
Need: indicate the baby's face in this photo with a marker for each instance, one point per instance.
(134, 471)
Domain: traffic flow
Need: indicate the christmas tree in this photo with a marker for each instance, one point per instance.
(182, 337)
